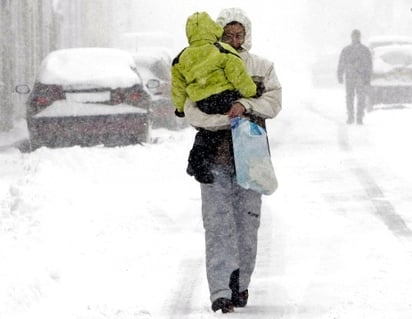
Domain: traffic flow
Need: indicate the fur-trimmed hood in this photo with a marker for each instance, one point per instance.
(235, 14)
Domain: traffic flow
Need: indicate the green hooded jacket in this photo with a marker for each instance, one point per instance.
(206, 68)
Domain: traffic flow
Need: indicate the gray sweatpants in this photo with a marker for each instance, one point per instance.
(358, 88)
(231, 218)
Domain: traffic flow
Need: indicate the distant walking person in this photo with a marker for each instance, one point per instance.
(355, 63)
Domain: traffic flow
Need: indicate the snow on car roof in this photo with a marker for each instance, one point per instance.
(156, 52)
(89, 67)
(383, 40)
(395, 49)
(152, 66)
(390, 56)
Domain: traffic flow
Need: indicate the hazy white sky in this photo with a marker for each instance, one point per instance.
(292, 33)
(269, 19)
(276, 25)
(284, 24)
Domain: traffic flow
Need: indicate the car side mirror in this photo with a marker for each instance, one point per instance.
(153, 84)
(22, 89)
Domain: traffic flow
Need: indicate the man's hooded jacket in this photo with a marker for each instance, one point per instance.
(207, 67)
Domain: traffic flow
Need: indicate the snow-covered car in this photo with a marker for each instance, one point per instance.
(155, 71)
(88, 96)
(392, 75)
(385, 40)
(154, 66)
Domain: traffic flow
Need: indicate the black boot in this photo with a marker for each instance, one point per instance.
(239, 299)
(223, 304)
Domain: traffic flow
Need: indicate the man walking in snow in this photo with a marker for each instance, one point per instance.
(231, 214)
(355, 62)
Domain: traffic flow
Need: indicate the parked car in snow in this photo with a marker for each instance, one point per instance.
(154, 66)
(155, 71)
(385, 40)
(152, 53)
(392, 75)
(88, 96)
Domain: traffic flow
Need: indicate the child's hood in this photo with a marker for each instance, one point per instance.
(201, 27)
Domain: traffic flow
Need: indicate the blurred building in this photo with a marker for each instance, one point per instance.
(329, 23)
(30, 29)
(28, 32)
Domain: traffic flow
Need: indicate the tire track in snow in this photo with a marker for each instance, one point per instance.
(184, 302)
(262, 279)
(180, 304)
(384, 209)
(267, 295)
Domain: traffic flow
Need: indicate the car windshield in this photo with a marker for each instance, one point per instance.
(380, 41)
(396, 55)
(151, 67)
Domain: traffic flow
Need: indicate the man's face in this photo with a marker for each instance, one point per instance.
(234, 34)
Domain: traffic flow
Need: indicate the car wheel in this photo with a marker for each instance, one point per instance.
(34, 144)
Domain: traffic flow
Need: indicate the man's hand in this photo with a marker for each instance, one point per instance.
(236, 110)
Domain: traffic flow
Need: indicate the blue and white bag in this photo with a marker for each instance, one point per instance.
(254, 169)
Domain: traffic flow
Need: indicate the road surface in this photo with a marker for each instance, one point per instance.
(335, 239)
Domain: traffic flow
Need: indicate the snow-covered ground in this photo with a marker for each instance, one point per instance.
(116, 232)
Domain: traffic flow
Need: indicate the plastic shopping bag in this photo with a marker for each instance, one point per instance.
(254, 169)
